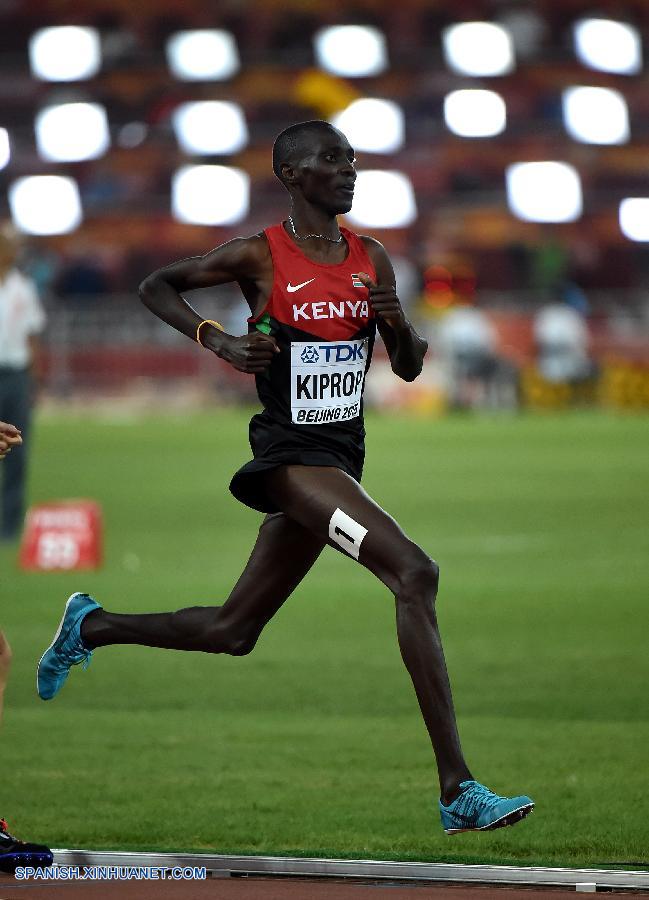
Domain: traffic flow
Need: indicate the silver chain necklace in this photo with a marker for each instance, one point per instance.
(307, 236)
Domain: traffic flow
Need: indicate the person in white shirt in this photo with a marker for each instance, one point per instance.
(21, 319)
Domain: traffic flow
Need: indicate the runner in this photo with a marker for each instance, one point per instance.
(316, 292)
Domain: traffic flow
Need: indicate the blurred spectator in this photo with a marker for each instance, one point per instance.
(468, 344)
(21, 319)
(561, 338)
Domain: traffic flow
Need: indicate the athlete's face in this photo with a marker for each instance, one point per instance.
(326, 171)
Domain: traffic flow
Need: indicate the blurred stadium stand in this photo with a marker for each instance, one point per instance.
(464, 245)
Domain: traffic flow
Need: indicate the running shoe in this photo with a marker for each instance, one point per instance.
(67, 649)
(15, 853)
(479, 809)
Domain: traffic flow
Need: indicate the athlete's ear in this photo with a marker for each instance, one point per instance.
(288, 173)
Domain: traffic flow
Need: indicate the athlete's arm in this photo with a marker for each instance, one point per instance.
(244, 260)
(405, 347)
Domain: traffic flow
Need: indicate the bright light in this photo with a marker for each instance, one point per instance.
(544, 191)
(65, 53)
(383, 200)
(634, 218)
(596, 115)
(351, 50)
(210, 195)
(475, 113)
(210, 126)
(203, 55)
(45, 204)
(72, 132)
(373, 126)
(5, 149)
(608, 45)
(478, 48)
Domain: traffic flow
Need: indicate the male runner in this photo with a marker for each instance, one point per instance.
(316, 292)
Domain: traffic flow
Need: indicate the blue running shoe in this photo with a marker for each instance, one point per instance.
(67, 649)
(479, 809)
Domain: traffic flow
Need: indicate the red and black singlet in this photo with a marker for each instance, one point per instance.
(312, 392)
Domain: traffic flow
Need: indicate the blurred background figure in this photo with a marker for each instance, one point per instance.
(561, 337)
(21, 320)
(476, 376)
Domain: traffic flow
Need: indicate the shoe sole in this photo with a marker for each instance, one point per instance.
(56, 637)
(9, 862)
(511, 818)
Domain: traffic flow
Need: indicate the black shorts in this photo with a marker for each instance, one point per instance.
(276, 444)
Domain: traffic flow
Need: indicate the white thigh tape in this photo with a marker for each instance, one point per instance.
(346, 532)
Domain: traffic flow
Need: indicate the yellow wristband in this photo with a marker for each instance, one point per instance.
(206, 322)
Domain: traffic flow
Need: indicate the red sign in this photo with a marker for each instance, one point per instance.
(62, 536)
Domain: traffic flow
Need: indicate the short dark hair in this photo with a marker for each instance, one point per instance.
(290, 142)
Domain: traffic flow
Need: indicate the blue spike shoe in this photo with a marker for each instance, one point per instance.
(479, 809)
(67, 649)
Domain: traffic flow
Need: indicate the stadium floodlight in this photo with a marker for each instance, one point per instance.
(608, 46)
(71, 132)
(373, 126)
(544, 191)
(634, 218)
(45, 204)
(354, 51)
(383, 200)
(210, 195)
(5, 149)
(478, 48)
(596, 115)
(65, 53)
(210, 126)
(204, 54)
(475, 113)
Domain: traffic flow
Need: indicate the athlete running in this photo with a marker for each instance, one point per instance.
(316, 292)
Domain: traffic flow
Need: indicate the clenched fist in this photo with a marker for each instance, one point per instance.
(384, 301)
(250, 353)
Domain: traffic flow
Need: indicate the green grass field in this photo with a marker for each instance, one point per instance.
(313, 744)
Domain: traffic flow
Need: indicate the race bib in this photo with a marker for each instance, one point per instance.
(327, 381)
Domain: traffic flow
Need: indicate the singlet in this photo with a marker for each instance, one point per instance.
(312, 392)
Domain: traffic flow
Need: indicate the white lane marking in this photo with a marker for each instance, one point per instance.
(346, 532)
(292, 288)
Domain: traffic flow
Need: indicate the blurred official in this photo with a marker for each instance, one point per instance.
(21, 319)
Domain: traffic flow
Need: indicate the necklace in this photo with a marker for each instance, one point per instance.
(307, 236)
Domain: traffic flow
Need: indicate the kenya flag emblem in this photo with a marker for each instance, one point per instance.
(356, 279)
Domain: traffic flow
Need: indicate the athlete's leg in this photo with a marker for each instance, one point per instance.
(283, 554)
(337, 509)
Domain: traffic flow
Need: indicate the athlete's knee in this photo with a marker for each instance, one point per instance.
(418, 576)
(243, 643)
(226, 635)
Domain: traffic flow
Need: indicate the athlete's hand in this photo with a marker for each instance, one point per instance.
(9, 437)
(384, 301)
(250, 353)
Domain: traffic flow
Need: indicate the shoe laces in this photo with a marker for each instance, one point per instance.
(474, 796)
(74, 655)
(4, 831)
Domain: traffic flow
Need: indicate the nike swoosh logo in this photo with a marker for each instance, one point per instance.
(291, 288)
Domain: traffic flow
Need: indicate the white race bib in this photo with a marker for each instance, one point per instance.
(327, 381)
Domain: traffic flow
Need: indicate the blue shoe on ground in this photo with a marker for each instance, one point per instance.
(479, 809)
(67, 649)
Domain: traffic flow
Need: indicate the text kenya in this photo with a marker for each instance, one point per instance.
(327, 309)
